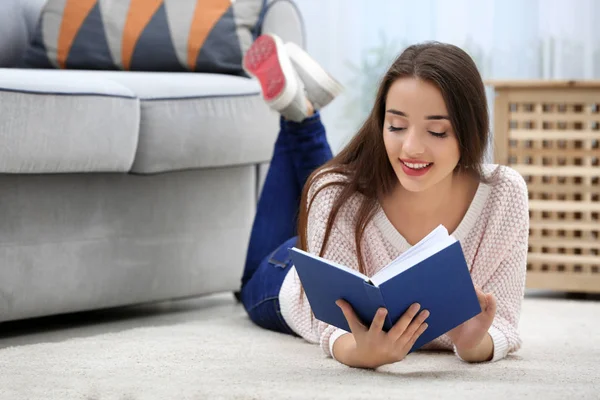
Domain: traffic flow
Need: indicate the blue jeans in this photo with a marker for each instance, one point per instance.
(299, 150)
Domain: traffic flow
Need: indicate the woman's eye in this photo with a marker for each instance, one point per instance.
(395, 128)
(438, 134)
(392, 128)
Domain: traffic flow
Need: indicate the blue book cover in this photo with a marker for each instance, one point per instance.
(433, 273)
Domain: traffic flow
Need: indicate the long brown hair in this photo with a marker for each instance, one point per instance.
(364, 161)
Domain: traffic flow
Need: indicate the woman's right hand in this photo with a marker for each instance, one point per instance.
(372, 347)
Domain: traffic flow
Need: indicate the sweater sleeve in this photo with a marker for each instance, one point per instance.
(507, 283)
(339, 249)
(508, 286)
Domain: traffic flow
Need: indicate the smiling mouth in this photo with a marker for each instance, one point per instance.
(416, 166)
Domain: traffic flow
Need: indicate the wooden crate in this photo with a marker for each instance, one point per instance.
(549, 131)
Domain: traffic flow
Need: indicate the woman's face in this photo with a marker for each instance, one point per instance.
(419, 140)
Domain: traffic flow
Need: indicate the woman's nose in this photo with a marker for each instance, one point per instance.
(412, 144)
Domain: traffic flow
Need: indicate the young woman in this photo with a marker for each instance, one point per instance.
(417, 162)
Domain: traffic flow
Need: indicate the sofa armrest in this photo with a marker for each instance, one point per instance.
(284, 19)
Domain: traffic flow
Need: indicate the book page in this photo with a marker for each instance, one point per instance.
(434, 242)
(435, 235)
(333, 264)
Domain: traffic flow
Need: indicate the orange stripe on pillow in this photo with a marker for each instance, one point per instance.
(76, 11)
(206, 16)
(139, 15)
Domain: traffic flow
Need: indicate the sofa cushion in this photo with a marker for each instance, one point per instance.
(58, 121)
(145, 35)
(196, 120)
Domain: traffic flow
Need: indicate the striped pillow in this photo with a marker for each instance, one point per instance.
(145, 35)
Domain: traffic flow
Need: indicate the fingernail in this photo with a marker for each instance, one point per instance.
(382, 311)
(417, 307)
(425, 314)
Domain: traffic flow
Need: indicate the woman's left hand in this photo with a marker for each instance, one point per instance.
(469, 334)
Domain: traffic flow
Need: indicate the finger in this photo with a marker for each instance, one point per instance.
(416, 323)
(378, 320)
(409, 345)
(491, 304)
(400, 326)
(353, 322)
(481, 299)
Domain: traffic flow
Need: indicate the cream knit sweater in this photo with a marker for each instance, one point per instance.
(493, 235)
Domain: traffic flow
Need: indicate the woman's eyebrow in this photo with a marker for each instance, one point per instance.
(431, 117)
(396, 112)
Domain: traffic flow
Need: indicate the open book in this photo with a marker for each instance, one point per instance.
(433, 273)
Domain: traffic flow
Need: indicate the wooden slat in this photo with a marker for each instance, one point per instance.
(565, 225)
(564, 281)
(554, 96)
(563, 259)
(567, 243)
(553, 134)
(545, 83)
(557, 205)
(554, 152)
(562, 189)
(556, 170)
(555, 116)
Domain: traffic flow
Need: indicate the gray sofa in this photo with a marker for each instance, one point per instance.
(118, 188)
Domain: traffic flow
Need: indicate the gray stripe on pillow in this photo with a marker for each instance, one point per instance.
(154, 49)
(246, 13)
(51, 23)
(114, 15)
(179, 15)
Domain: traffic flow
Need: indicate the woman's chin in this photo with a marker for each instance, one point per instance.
(422, 183)
(413, 185)
(415, 188)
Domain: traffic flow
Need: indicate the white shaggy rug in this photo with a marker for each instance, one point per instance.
(224, 356)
